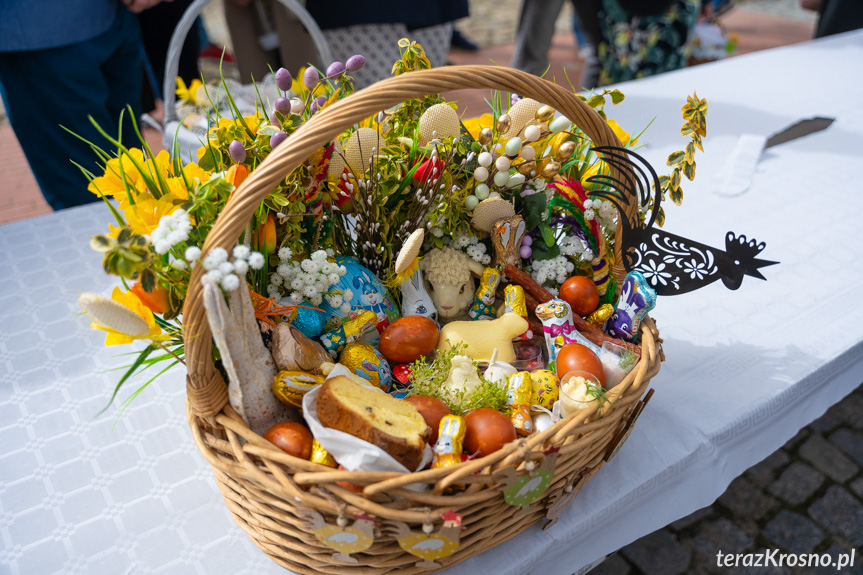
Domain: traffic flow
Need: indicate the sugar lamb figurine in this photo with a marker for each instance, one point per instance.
(450, 276)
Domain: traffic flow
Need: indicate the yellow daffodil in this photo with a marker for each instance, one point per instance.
(144, 216)
(475, 125)
(161, 164)
(595, 169)
(177, 187)
(124, 317)
(195, 172)
(188, 95)
(622, 135)
(116, 170)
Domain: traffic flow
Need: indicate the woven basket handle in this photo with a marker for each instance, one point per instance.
(206, 389)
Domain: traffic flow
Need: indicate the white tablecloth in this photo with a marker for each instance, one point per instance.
(746, 369)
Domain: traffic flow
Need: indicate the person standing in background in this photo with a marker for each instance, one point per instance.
(835, 16)
(61, 62)
(633, 38)
(157, 26)
(267, 35)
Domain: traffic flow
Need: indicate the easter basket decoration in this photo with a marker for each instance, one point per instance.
(312, 518)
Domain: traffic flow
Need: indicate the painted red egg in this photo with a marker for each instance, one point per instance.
(408, 338)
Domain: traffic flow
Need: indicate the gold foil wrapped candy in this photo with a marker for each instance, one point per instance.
(483, 301)
(366, 362)
(321, 455)
(450, 441)
(291, 386)
(519, 391)
(513, 297)
(350, 331)
(601, 315)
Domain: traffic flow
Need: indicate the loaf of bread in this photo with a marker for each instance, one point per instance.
(392, 424)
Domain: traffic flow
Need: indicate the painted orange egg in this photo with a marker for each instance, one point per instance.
(408, 338)
(487, 430)
(581, 294)
(574, 356)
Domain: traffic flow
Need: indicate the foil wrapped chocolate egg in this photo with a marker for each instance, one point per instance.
(546, 388)
(290, 386)
(321, 455)
(309, 321)
(366, 292)
(367, 362)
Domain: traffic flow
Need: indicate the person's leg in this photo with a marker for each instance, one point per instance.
(122, 85)
(533, 38)
(295, 44)
(250, 58)
(45, 89)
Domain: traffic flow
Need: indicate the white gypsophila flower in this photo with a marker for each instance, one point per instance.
(329, 268)
(333, 279)
(285, 270)
(216, 257)
(589, 215)
(241, 252)
(570, 246)
(230, 282)
(171, 230)
(330, 252)
(226, 268)
(342, 270)
(553, 291)
(273, 291)
(285, 253)
(436, 232)
(485, 259)
(296, 297)
(309, 266)
(241, 267)
(306, 278)
(215, 275)
(297, 284)
(588, 254)
(310, 291)
(334, 300)
(162, 246)
(179, 265)
(348, 295)
(320, 256)
(276, 280)
(256, 260)
(345, 309)
(192, 253)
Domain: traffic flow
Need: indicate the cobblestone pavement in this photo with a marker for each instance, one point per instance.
(807, 497)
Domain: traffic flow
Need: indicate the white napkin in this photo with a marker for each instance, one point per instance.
(740, 166)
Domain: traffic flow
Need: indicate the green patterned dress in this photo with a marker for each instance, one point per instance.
(633, 47)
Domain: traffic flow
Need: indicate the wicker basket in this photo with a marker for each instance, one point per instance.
(265, 488)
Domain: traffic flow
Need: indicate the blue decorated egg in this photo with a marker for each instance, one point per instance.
(309, 321)
(367, 293)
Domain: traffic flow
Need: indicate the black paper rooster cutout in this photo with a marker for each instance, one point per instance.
(672, 264)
